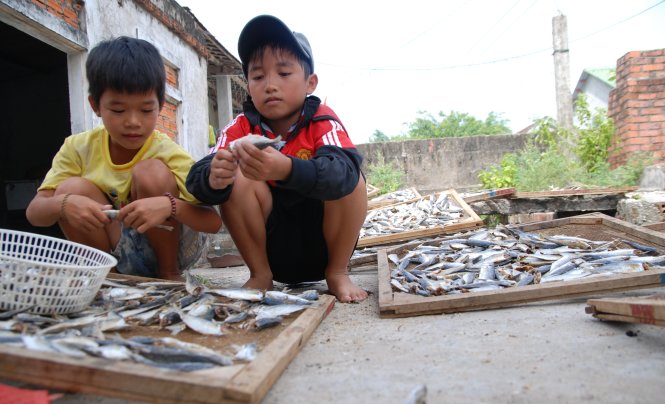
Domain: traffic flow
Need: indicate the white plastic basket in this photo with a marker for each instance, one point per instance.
(48, 275)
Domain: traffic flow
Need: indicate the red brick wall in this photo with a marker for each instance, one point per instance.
(637, 106)
(67, 10)
(167, 118)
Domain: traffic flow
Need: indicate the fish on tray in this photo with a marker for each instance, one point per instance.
(504, 257)
(169, 306)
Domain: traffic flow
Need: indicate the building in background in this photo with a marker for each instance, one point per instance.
(596, 84)
(42, 69)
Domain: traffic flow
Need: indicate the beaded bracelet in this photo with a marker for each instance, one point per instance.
(172, 200)
(62, 207)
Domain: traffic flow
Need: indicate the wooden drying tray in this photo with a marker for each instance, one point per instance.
(573, 192)
(488, 194)
(386, 199)
(468, 220)
(246, 383)
(591, 226)
(645, 310)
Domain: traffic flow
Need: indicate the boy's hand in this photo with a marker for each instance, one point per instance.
(85, 213)
(222, 169)
(146, 213)
(262, 165)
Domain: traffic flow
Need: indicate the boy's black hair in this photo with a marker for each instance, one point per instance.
(125, 64)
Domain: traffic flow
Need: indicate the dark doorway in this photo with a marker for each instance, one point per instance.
(34, 121)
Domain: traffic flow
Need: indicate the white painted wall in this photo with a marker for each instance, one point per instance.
(597, 92)
(105, 19)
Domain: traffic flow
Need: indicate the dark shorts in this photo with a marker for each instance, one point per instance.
(136, 257)
(295, 245)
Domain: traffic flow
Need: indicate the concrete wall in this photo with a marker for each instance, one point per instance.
(437, 164)
(637, 105)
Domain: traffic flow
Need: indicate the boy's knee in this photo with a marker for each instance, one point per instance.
(76, 185)
(152, 177)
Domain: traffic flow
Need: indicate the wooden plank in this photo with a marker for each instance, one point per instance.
(468, 220)
(660, 226)
(385, 294)
(646, 310)
(256, 378)
(488, 194)
(134, 381)
(628, 319)
(405, 304)
(398, 304)
(573, 192)
(372, 190)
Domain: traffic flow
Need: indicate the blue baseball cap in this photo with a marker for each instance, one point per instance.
(267, 29)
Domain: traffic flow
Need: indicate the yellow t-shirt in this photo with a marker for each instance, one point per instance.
(87, 155)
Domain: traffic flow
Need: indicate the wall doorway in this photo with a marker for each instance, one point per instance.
(35, 119)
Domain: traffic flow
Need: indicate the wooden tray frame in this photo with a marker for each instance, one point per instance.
(468, 220)
(489, 194)
(240, 383)
(372, 190)
(642, 310)
(398, 304)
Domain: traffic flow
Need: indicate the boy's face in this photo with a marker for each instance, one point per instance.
(278, 86)
(128, 118)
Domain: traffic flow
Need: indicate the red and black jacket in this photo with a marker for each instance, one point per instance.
(325, 162)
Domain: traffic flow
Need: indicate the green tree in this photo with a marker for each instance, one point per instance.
(546, 162)
(455, 124)
(378, 136)
(387, 176)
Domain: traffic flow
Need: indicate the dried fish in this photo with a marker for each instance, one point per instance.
(162, 305)
(259, 141)
(483, 259)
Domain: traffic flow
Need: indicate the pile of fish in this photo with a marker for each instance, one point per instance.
(427, 212)
(161, 305)
(401, 195)
(504, 257)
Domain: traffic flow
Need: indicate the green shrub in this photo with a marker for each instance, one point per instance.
(547, 161)
(387, 176)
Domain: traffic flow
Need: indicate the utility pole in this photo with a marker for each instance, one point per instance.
(564, 98)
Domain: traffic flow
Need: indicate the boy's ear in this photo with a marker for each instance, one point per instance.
(312, 82)
(93, 105)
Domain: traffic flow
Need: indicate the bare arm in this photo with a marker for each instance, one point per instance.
(46, 209)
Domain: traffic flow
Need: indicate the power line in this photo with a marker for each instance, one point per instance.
(520, 56)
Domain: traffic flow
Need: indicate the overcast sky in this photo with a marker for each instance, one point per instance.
(381, 62)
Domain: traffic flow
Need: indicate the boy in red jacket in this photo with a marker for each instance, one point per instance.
(295, 209)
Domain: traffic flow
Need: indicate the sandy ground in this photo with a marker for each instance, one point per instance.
(546, 352)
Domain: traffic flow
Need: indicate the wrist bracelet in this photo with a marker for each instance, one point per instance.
(172, 200)
(62, 207)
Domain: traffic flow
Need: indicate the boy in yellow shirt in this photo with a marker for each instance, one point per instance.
(129, 166)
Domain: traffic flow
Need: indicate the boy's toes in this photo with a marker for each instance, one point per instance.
(355, 296)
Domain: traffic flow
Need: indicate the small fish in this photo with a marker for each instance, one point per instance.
(260, 141)
(202, 326)
(252, 295)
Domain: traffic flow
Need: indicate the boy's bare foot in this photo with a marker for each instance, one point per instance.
(258, 283)
(344, 289)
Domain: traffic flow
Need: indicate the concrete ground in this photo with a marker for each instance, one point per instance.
(546, 352)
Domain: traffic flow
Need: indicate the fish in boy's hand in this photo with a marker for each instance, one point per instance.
(259, 141)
